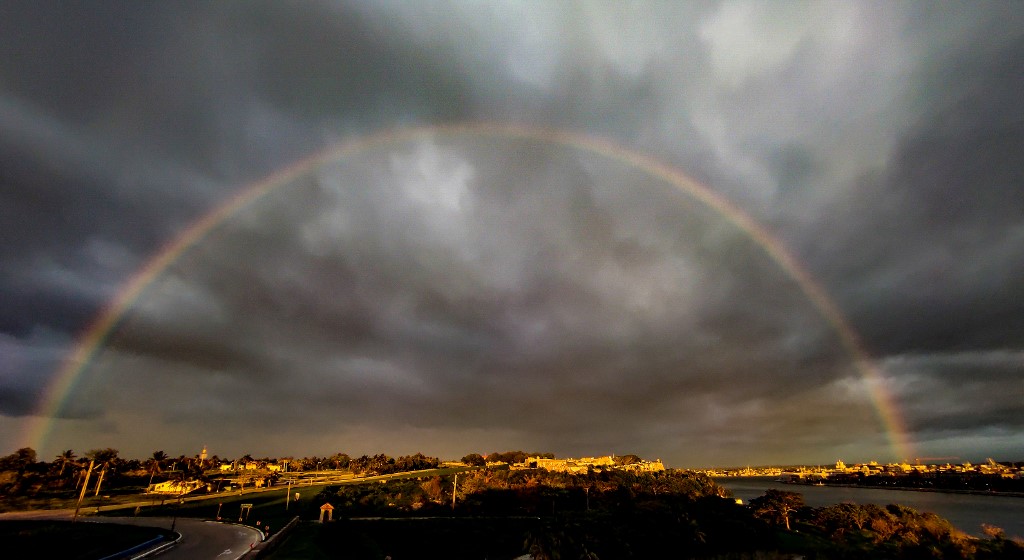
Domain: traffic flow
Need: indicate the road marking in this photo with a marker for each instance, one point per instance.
(226, 551)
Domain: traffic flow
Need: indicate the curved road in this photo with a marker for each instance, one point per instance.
(200, 540)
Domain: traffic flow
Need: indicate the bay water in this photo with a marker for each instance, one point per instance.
(965, 511)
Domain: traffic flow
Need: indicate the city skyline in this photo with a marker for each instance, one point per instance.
(719, 234)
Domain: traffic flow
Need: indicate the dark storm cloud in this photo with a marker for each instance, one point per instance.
(959, 383)
(458, 294)
(943, 277)
(452, 284)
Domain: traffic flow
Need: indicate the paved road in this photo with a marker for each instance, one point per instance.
(200, 540)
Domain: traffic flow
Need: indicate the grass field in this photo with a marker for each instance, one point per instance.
(269, 507)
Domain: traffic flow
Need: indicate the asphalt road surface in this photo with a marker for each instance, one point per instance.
(200, 540)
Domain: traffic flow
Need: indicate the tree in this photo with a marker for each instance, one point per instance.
(474, 460)
(627, 459)
(381, 464)
(155, 463)
(68, 456)
(158, 459)
(434, 489)
(20, 463)
(104, 458)
(415, 462)
(993, 532)
(838, 520)
(19, 460)
(339, 460)
(776, 506)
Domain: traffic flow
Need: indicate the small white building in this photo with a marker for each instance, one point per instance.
(175, 487)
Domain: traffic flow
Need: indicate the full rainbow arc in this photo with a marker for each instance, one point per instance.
(96, 334)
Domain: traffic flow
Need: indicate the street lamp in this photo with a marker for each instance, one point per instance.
(176, 508)
(92, 467)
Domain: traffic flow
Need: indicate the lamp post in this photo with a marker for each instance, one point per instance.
(84, 486)
(176, 508)
(455, 489)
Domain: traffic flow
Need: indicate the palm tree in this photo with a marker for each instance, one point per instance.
(105, 458)
(154, 464)
(64, 458)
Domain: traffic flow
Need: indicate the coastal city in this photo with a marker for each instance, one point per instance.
(842, 471)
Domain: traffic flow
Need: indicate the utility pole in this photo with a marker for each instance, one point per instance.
(174, 520)
(288, 497)
(81, 496)
(455, 489)
(100, 481)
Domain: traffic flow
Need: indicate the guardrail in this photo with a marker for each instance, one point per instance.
(147, 549)
(271, 543)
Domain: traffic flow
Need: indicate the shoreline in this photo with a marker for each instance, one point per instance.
(901, 488)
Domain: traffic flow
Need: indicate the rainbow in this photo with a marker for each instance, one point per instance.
(95, 335)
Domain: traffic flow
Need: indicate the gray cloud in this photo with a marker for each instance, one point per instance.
(452, 293)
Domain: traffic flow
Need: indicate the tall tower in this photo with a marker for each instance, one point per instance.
(202, 456)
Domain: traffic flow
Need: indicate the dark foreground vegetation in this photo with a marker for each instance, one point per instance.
(609, 515)
(73, 541)
(490, 511)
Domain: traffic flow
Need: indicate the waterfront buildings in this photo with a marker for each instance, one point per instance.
(586, 464)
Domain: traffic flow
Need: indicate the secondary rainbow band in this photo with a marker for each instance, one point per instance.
(94, 336)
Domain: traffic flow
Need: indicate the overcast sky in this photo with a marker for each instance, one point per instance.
(458, 293)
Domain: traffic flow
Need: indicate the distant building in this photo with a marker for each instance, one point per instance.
(176, 487)
(585, 464)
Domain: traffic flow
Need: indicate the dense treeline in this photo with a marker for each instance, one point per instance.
(382, 464)
(508, 457)
(23, 476)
